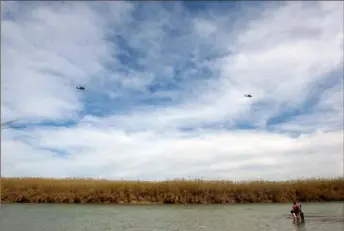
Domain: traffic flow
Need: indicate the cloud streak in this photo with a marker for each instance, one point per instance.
(165, 85)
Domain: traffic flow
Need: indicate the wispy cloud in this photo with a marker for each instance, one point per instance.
(165, 85)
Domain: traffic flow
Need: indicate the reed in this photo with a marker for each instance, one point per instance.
(180, 191)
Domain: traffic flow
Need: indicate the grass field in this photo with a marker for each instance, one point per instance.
(38, 190)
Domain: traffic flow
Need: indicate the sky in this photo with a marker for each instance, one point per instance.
(165, 85)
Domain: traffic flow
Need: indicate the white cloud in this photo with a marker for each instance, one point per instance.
(46, 53)
(214, 154)
(278, 55)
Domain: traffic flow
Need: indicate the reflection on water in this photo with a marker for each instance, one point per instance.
(254, 217)
(300, 226)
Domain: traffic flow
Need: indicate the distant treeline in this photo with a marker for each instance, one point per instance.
(38, 190)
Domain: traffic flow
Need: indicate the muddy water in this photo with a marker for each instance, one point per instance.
(253, 217)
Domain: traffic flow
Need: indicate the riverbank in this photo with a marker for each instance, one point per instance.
(40, 190)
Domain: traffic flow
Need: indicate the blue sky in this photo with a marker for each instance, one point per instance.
(165, 85)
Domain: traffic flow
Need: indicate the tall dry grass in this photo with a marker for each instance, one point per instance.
(38, 190)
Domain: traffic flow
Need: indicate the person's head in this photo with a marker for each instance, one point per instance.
(294, 202)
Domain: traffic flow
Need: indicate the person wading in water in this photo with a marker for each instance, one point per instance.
(296, 210)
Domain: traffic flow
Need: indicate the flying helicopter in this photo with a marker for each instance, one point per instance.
(80, 88)
(249, 96)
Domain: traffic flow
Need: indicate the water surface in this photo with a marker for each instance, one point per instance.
(252, 217)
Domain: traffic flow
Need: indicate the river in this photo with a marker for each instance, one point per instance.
(247, 217)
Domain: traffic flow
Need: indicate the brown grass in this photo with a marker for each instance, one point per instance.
(38, 190)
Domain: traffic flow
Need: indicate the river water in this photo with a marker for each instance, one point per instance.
(249, 217)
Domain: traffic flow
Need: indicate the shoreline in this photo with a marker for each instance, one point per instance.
(162, 204)
(92, 191)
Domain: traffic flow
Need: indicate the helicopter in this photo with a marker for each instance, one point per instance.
(249, 96)
(80, 88)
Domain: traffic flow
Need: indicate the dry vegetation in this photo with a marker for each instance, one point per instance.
(38, 190)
